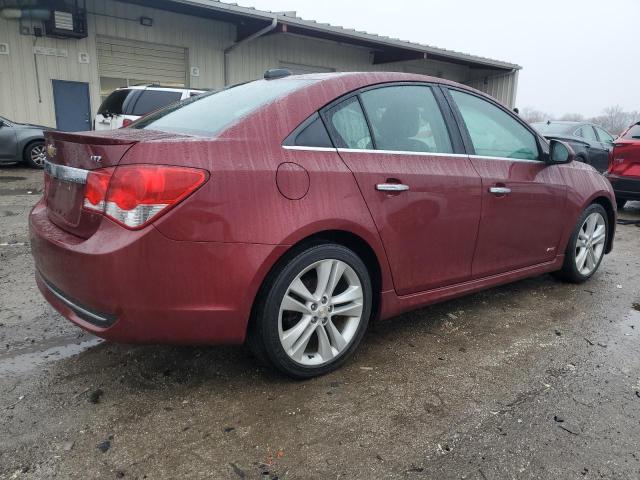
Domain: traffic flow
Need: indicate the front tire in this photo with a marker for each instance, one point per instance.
(586, 246)
(35, 154)
(312, 312)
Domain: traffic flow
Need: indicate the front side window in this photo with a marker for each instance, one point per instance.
(604, 136)
(406, 118)
(348, 125)
(493, 132)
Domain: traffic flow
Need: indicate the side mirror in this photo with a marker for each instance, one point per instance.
(560, 152)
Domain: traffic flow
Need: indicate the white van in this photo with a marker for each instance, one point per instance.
(124, 105)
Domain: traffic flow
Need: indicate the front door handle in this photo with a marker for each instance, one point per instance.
(392, 187)
(500, 190)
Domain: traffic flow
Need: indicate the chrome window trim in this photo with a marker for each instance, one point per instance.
(65, 173)
(401, 152)
(507, 159)
(310, 149)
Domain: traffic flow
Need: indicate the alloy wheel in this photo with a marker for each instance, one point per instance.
(590, 243)
(320, 312)
(38, 155)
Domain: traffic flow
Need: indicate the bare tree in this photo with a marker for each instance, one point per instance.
(531, 115)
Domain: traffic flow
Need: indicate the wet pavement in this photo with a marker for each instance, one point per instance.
(537, 379)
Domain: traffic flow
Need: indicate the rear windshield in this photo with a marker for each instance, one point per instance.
(208, 114)
(633, 133)
(114, 102)
(151, 100)
(553, 128)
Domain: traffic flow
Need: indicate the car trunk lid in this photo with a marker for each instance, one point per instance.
(70, 157)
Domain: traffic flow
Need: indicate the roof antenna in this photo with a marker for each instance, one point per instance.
(275, 73)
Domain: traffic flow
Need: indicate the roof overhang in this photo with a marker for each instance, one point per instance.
(385, 49)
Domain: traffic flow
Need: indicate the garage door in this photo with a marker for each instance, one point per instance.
(123, 63)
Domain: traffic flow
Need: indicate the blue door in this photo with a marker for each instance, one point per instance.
(71, 102)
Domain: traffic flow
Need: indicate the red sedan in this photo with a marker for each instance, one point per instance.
(289, 212)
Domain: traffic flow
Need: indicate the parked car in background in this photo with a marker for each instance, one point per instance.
(125, 105)
(624, 167)
(22, 142)
(289, 212)
(591, 143)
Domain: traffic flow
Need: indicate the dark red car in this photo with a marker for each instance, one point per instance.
(289, 212)
(624, 166)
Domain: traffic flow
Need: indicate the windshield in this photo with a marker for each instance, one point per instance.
(633, 133)
(208, 114)
(554, 128)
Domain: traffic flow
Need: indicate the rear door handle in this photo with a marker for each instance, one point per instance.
(500, 190)
(392, 187)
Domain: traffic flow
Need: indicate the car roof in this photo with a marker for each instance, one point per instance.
(161, 88)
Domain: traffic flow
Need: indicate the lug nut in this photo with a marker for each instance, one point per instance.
(314, 319)
(324, 299)
(314, 306)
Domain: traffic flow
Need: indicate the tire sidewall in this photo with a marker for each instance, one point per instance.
(570, 261)
(271, 308)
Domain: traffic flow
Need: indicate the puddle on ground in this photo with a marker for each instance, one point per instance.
(11, 179)
(26, 359)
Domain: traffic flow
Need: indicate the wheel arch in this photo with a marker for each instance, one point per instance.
(345, 238)
(605, 202)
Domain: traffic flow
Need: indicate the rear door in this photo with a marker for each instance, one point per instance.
(598, 152)
(420, 187)
(523, 198)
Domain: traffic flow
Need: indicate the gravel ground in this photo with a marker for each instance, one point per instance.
(537, 379)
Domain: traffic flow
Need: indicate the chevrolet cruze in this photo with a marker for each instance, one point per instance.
(290, 212)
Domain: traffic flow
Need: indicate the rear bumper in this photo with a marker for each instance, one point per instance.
(142, 287)
(625, 188)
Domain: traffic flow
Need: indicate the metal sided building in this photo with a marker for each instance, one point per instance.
(61, 57)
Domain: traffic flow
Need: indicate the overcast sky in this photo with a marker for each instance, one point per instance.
(578, 56)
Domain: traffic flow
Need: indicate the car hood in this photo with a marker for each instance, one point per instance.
(31, 126)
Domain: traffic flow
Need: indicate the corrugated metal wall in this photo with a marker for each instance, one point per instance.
(204, 41)
(503, 87)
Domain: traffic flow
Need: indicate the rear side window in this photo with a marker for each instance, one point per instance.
(349, 125)
(114, 103)
(633, 133)
(406, 118)
(151, 100)
(586, 132)
(493, 132)
(314, 135)
(210, 113)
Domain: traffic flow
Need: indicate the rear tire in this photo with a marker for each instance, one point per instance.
(586, 246)
(620, 203)
(312, 311)
(34, 154)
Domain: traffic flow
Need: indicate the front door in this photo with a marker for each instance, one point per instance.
(71, 102)
(523, 198)
(8, 140)
(423, 197)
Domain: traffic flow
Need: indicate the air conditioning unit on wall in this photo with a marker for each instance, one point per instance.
(68, 19)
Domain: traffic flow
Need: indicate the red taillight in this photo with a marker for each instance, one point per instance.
(133, 195)
(126, 122)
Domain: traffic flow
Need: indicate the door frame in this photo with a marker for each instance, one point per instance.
(53, 90)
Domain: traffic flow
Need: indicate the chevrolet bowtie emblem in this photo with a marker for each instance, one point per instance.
(51, 150)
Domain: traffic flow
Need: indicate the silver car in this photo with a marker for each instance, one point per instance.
(22, 142)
